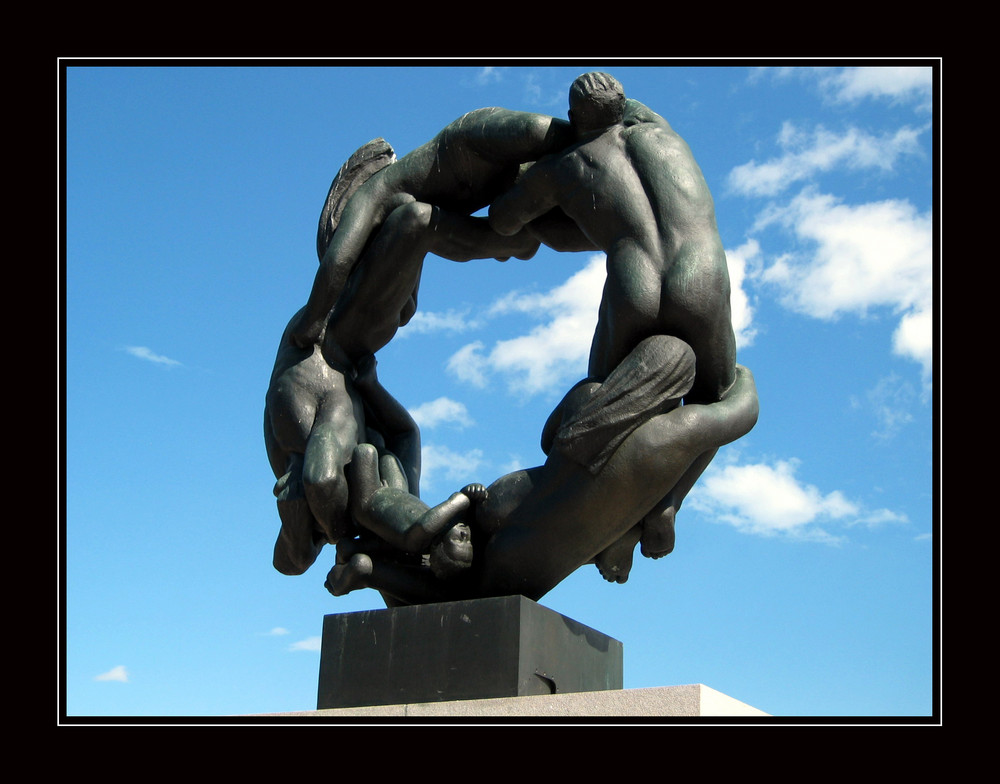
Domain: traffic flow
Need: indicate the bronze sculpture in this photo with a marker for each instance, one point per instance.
(625, 445)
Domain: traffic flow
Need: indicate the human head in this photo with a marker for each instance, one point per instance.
(451, 552)
(596, 102)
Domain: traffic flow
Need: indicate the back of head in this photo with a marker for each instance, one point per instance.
(596, 100)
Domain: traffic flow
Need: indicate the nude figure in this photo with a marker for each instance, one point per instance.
(317, 406)
(536, 526)
(461, 170)
(633, 187)
(419, 541)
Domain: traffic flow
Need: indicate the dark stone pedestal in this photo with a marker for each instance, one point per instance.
(503, 647)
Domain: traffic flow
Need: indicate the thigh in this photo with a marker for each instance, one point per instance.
(291, 410)
(334, 435)
(382, 291)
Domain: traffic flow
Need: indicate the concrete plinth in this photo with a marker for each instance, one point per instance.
(472, 650)
(662, 702)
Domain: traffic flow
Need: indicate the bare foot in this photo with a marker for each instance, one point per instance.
(615, 561)
(658, 533)
(344, 578)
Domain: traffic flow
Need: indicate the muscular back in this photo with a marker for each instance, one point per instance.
(636, 191)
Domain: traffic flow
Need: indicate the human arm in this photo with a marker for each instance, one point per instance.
(531, 197)
(508, 136)
(558, 231)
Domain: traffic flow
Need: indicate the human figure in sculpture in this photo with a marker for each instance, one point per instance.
(366, 288)
(634, 189)
(461, 170)
(424, 544)
(536, 526)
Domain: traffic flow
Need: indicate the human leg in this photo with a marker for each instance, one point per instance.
(399, 584)
(328, 452)
(396, 516)
(549, 521)
(300, 540)
(288, 414)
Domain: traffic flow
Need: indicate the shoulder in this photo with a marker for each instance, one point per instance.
(637, 113)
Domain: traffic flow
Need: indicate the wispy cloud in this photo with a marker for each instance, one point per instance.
(277, 631)
(808, 153)
(313, 644)
(890, 402)
(119, 674)
(142, 352)
(440, 412)
(489, 74)
(454, 321)
(769, 500)
(897, 83)
(849, 85)
(439, 463)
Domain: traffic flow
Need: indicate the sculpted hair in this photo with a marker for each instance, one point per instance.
(602, 93)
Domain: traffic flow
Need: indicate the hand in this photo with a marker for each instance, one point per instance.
(476, 493)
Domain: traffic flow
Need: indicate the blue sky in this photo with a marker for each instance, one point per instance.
(803, 577)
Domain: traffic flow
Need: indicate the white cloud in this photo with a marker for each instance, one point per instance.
(848, 85)
(914, 337)
(441, 411)
(308, 644)
(489, 75)
(738, 261)
(118, 673)
(439, 463)
(277, 631)
(807, 153)
(144, 353)
(424, 322)
(894, 82)
(468, 365)
(550, 353)
(769, 500)
(556, 352)
(861, 256)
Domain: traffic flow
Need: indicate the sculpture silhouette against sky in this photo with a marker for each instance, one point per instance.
(623, 447)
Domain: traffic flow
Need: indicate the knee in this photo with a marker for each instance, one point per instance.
(329, 482)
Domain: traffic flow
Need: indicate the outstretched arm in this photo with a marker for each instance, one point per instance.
(508, 136)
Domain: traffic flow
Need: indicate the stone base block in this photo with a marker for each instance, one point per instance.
(661, 702)
(470, 650)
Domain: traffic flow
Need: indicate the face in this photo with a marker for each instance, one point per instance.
(458, 543)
